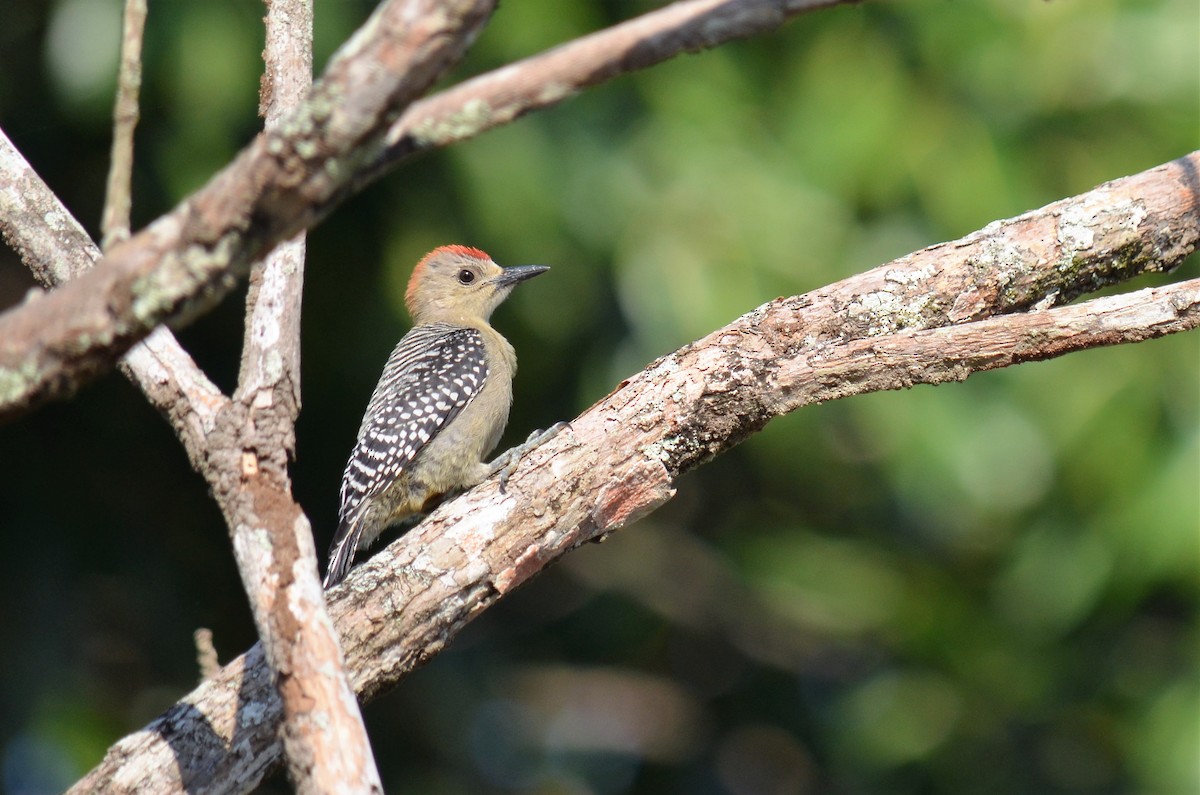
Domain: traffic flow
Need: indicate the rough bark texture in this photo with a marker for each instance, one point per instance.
(325, 741)
(282, 183)
(47, 238)
(249, 475)
(930, 317)
(344, 136)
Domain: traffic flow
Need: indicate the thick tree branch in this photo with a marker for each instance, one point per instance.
(619, 459)
(936, 315)
(324, 737)
(36, 225)
(334, 145)
(285, 180)
(55, 247)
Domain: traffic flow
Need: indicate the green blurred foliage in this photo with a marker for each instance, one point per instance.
(985, 587)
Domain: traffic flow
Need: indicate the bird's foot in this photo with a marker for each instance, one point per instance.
(506, 462)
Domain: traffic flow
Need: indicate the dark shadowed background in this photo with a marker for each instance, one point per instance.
(986, 587)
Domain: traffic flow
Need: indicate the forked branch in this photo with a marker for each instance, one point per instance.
(936, 315)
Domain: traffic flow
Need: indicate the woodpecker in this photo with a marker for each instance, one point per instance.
(440, 405)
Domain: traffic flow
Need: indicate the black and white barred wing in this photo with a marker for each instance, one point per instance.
(434, 372)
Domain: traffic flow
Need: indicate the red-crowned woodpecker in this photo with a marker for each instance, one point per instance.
(440, 404)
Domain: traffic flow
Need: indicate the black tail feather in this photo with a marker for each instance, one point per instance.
(341, 554)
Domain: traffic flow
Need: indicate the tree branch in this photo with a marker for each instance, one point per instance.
(36, 225)
(936, 315)
(282, 183)
(118, 198)
(56, 249)
(501, 96)
(324, 737)
(166, 374)
(332, 146)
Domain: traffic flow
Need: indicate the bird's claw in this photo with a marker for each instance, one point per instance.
(507, 461)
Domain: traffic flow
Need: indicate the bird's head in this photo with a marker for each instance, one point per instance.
(457, 283)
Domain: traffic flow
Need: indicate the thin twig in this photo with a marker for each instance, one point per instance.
(206, 654)
(544, 80)
(114, 226)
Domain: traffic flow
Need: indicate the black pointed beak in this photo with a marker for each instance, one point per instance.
(518, 274)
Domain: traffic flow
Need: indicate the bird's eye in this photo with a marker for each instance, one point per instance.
(466, 276)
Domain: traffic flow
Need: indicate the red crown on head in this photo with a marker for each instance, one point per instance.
(462, 251)
(419, 271)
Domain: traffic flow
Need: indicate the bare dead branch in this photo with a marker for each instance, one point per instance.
(936, 315)
(324, 737)
(331, 147)
(47, 238)
(114, 225)
(55, 247)
(282, 183)
(619, 459)
(166, 374)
